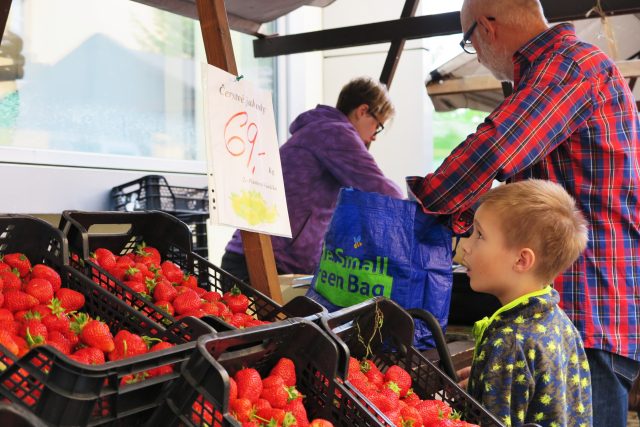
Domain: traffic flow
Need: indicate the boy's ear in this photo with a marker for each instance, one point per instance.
(526, 260)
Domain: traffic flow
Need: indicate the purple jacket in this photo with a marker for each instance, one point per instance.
(323, 154)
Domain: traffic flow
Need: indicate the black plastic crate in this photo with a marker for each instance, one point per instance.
(387, 329)
(205, 378)
(61, 391)
(153, 192)
(171, 237)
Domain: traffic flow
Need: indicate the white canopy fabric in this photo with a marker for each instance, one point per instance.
(464, 83)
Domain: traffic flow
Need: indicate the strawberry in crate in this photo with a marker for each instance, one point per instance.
(270, 401)
(171, 289)
(391, 393)
(35, 310)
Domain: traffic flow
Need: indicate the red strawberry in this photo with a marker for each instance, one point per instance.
(42, 271)
(233, 389)
(431, 410)
(242, 409)
(93, 333)
(147, 255)
(189, 281)
(69, 299)
(164, 369)
(18, 300)
(186, 302)
(6, 340)
(164, 291)
(4, 266)
(42, 289)
(127, 344)
(411, 398)
(89, 356)
(58, 340)
(410, 416)
(374, 375)
(237, 302)
(11, 280)
(274, 416)
(399, 376)
(105, 258)
(285, 369)
(249, 384)
(166, 306)
(172, 272)
(5, 314)
(18, 261)
(297, 409)
(211, 296)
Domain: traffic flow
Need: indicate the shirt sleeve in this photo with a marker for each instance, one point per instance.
(522, 131)
(347, 159)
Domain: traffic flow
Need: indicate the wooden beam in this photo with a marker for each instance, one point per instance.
(420, 27)
(5, 6)
(484, 82)
(217, 43)
(395, 51)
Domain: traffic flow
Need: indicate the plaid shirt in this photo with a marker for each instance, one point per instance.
(572, 119)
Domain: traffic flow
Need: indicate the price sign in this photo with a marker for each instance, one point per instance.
(246, 189)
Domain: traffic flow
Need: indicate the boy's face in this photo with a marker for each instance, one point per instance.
(488, 260)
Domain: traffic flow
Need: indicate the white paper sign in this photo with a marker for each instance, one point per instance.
(246, 189)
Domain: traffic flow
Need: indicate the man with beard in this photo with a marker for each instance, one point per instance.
(571, 119)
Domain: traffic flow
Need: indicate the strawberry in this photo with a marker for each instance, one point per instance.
(18, 261)
(164, 291)
(127, 344)
(233, 389)
(57, 340)
(104, 258)
(10, 326)
(147, 255)
(190, 281)
(319, 422)
(237, 302)
(211, 296)
(210, 308)
(186, 302)
(69, 299)
(164, 369)
(431, 410)
(299, 412)
(399, 376)
(285, 369)
(172, 272)
(373, 374)
(11, 280)
(18, 300)
(5, 314)
(166, 306)
(42, 289)
(4, 266)
(42, 271)
(93, 333)
(273, 416)
(89, 356)
(410, 416)
(6, 340)
(249, 384)
(242, 409)
(411, 398)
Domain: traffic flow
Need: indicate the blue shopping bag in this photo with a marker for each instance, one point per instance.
(380, 246)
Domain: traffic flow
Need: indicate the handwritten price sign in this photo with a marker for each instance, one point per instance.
(243, 159)
(238, 133)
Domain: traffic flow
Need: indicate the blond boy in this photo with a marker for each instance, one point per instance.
(529, 363)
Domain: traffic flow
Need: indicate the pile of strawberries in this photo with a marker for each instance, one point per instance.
(273, 401)
(36, 310)
(392, 394)
(173, 290)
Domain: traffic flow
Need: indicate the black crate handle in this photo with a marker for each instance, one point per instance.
(395, 318)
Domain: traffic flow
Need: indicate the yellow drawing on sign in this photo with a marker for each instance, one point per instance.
(251, 206)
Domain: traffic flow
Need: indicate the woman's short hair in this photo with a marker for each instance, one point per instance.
(365, 90)
(542, 216)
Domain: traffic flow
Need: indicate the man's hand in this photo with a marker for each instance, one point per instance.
(463, 377)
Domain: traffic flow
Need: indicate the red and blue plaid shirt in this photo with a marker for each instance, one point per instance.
(571, 119)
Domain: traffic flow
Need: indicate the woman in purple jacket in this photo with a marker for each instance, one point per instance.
(328, 149)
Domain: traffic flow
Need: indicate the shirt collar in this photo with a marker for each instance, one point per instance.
(481, 325)
(538, 45)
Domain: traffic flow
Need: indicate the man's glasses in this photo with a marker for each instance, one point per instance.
(466, 44)
(380, 126)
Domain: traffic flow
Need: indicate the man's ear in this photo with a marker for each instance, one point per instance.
(488, 26)
(526, 260)
(361, 110)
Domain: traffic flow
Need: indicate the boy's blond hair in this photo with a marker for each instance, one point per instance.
(542, 216)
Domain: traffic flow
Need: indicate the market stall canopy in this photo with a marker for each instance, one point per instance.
(244, 15)
(464, 83)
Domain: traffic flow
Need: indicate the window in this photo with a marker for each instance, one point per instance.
(107, 77)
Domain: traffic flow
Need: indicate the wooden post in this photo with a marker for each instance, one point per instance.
(217, 44)
(395, 50)
(5, 6)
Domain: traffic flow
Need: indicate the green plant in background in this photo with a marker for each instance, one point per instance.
(451, 128)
